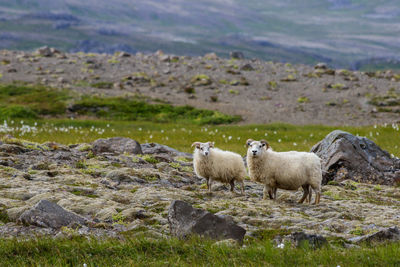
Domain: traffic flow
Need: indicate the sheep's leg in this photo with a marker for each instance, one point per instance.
(209, 184)
(309, 194)
(317, 195)
(232, 183)
(270, 192)
(242, 187)
(266, 189)
(274, 192)
(306, 189)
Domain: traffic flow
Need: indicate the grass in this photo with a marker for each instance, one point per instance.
(282, 137)
(21, 101)
(32, 102)
(140, 251)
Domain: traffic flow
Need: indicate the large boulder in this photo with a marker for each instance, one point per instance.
(154, 148)
(345, 156)
(50, 215)
(116, 145)
(184, 220)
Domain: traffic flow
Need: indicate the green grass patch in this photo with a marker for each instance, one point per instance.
(25, 101)
(118, 108)
(140, 251)
(32, 102)
(281, 137)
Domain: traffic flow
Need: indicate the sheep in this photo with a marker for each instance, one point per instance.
(285, 170)
(214, 164)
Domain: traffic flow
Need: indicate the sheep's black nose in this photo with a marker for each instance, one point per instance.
(254, 152)
(206, 153)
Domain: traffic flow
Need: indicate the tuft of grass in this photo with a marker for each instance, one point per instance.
(303, 99)
(150, 159)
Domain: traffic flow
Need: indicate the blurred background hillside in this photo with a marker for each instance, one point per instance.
(355, 34)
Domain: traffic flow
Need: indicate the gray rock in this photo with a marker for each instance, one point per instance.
(46, 51)
(299, 239)
(50, 215)
(154, 148)
(388, 234)
(116, 145)
(236, 55)
(345, 156)
(13, 149)
(321, 66)
(119, 176)
(247, 67)
(185, 220)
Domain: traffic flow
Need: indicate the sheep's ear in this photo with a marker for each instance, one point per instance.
(248, 142)
(211, 144)
(197, 144)
(264, 143)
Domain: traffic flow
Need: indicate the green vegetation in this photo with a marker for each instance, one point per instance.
(24, 101)
(303, 99)
(102, 85)
(282, 137)
(32, 102)
(118, 108)
(140, 251)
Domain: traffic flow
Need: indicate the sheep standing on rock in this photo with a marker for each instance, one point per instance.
(214, 164)
(285, 170)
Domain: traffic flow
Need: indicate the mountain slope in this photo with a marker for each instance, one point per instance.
(343, 32)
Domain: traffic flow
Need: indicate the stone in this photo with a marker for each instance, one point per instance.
(50, 215)
(298, 239)
(321, 66)
(154, 148)
(184, 220)
(388, 234)
(119, 175)
(13, 149)
(247, 67)
(211, 56)
(116, 145)
(236, 55)
(345, 156)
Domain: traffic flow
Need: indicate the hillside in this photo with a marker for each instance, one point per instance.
(347, 34)
(258, 91)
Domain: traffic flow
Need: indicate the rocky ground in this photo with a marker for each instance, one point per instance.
(122, 187)
(259, 91)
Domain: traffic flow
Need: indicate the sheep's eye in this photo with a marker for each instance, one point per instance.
(201, 148)
(260, 146)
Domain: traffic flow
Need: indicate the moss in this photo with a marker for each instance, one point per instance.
(201, 80)
(289, 78)
(118, 218)
(84, 193)
(272, 85)
(233, 92)
(303, 99)
(4, 216)
(150, 159)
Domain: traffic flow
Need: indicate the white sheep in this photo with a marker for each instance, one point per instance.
(214, 164)
(285, 170)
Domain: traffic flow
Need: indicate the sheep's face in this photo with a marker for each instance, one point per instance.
(256, 148)
(204, 148)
